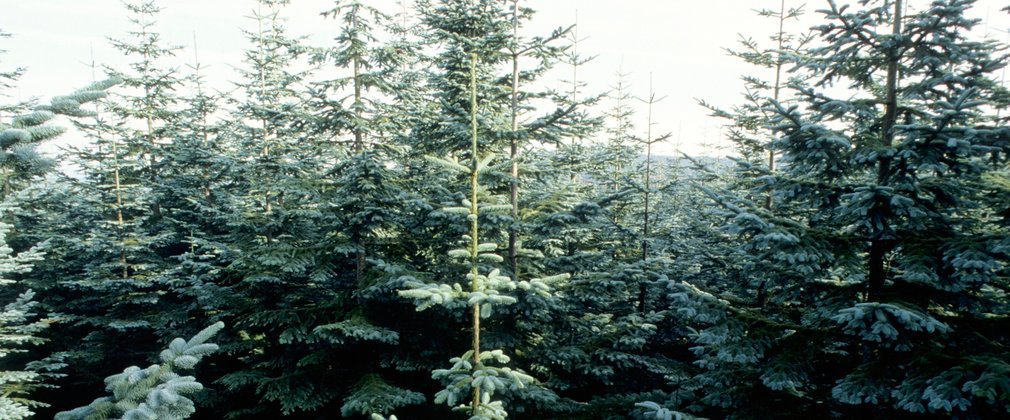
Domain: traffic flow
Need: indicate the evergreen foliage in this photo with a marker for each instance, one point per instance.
(18, 328)
(117, 239)
(410, 193)
(20, 324)
(20, 136)
(157, 392)
(880, 195)
(473, 373)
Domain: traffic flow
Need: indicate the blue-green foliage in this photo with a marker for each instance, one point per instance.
(372, 395)
(20, 323)
(157, 392)
(880, 247)
(19, 328)
(859, 273)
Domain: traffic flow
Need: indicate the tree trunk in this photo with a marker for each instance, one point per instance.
(514, 148)
(880, 245)
(474, 240)
(770, 200)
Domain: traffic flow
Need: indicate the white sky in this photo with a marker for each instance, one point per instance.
(680, 42)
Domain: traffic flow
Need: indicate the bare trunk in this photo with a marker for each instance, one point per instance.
(514, 147)
(119, 209)
(205, 136)
(359, 147)
(152, 143)
(880, 245)
(474, 240)
(267, 206)
(770, 200)
(642, 295)
(762, 293)
(359, 135)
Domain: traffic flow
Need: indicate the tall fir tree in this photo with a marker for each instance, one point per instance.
(22, 165)
(280, 281)
(363, 112)
(473, 375)
(882, 245)
(114, 299)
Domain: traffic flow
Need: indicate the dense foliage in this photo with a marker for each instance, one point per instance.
(405, 222)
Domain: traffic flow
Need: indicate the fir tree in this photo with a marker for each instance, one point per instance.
(151, 99)
(280, 282)
(364, 115)
(118, 278)
(880, 234)
(473, 372)
(22, 165)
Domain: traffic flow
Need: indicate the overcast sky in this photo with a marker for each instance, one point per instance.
(681, 43)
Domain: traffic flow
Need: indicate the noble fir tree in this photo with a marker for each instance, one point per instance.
(441, 129)
(195, 175)
(888, 236)
(360, 114)
(546, 129)
(281, 279)
(23, 165)
(149, 98)
(473, 379)
(119, 263)
(362, 106)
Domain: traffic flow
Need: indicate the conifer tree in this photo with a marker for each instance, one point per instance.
(25, 371)
(196, 172)
(151, 99)
(585, 125)
(879, 234)
(620, 148)
(280, 282)
(484, 27)
(361, 114)
(545, 128)
(119, 261)
(365, 114)
(473, 372)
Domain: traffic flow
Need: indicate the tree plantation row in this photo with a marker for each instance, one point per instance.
(404, 223)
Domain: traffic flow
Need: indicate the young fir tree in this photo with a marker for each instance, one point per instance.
(487, 28)
(722, 298)
(148, 105)
(112, 301)
(473, 377)
(601, 349)
(195, 171)
(572, 155)
(362, 112)
(888, 245)
(21, 166)
(749, 128)
(546, 129)
(281, 280)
